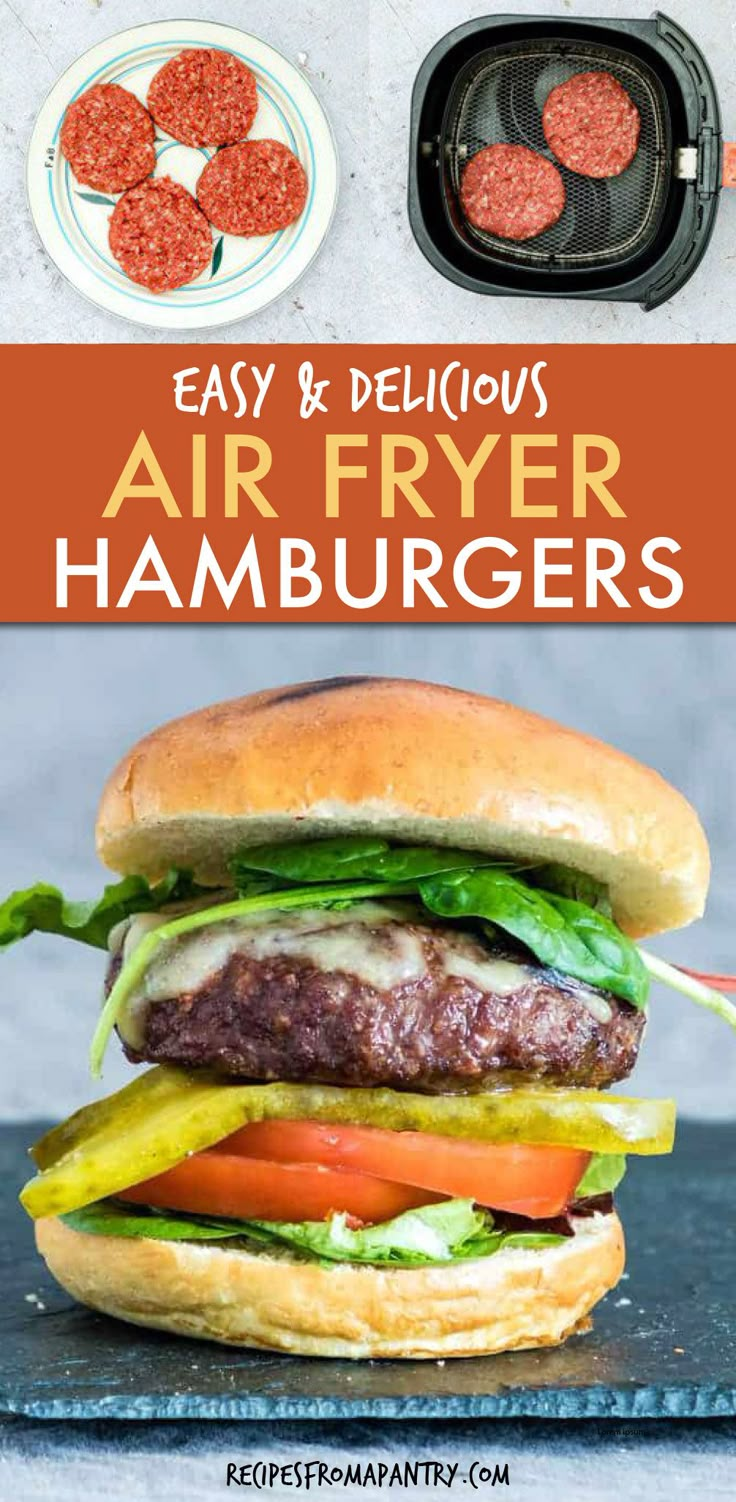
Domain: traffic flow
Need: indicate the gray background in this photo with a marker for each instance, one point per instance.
(371, 282)
(74, 699)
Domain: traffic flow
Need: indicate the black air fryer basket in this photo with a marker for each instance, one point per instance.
(637, 237)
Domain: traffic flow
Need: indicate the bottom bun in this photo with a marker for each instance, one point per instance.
(513, 1299)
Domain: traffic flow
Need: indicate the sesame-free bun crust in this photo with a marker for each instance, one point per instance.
(514, 1299)
(416, 762)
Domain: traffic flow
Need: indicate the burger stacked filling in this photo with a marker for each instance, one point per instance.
(364, 1052)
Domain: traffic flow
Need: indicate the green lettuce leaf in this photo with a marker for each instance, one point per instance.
(603, 1174)
(45, 909)
(451, 1231)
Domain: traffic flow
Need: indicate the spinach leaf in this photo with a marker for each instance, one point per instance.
(108, 1218)
(566, 935)
(606, 944)
(45, 909)
(568, 883)
(561, 915)
(353, 859)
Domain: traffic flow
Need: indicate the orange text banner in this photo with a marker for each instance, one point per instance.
(333, 483)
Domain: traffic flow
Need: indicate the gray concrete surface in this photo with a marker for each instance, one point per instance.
(371, 282)
(74, 699)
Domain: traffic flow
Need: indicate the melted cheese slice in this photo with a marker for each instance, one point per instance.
(352, 941)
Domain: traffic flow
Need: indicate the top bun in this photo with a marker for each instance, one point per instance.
(416, 762)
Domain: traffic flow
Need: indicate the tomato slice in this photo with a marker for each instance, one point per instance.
(535, 1181)
(304, 1170)
(223, 1183)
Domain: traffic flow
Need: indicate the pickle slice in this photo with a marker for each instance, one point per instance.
(167, 1113)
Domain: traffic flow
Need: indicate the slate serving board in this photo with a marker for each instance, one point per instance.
(663, 1345)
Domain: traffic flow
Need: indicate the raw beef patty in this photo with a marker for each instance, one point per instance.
(592, 125)
(512, 192)
(254, 188)
(204, 97)
(107, 139)
(159, 236)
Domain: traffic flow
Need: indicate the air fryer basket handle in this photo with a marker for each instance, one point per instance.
(729, 164)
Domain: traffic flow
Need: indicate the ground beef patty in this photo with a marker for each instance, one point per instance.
(107, 138)
(255, 188)
(592, 125)
(204, 97)
(512, 192)
(159, 236)
(442, 1027)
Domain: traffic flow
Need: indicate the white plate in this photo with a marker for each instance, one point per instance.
(245, 273)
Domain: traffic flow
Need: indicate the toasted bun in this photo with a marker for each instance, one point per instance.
(412, 761)
(514, 1299)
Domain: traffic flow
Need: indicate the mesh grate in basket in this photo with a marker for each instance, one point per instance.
(500, 98)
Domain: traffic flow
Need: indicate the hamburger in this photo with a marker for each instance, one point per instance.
(374, 943)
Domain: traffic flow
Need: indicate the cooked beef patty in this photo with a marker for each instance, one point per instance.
(364, 997)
